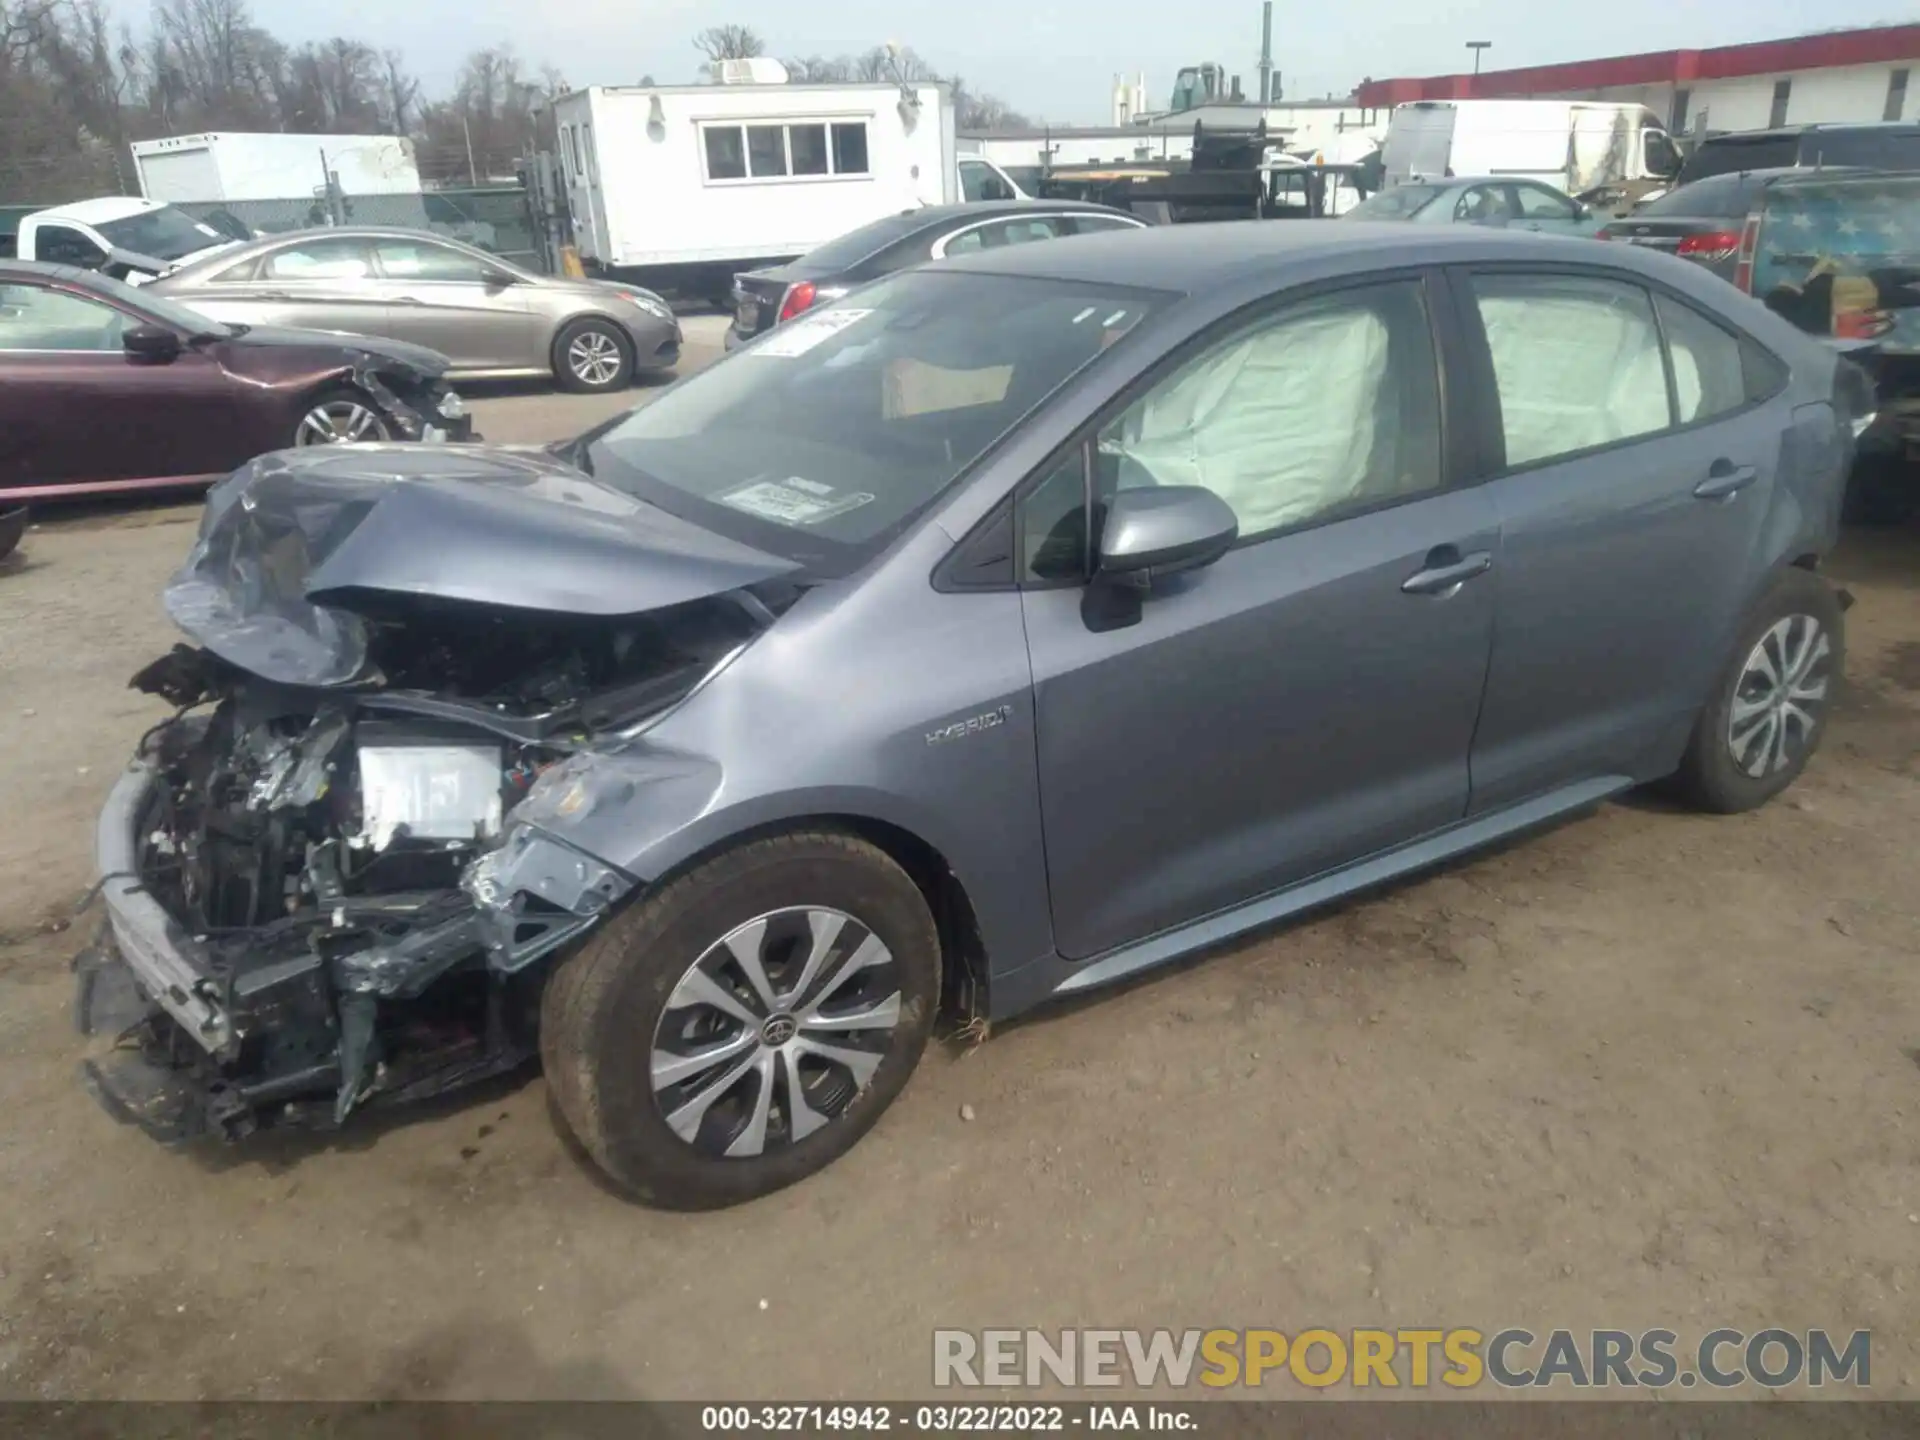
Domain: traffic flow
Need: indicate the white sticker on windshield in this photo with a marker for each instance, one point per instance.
(796, 337)
(793, 501)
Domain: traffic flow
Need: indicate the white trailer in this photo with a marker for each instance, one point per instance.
(679, 186)
(236, 166)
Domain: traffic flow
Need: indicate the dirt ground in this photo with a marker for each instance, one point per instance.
(1646, 1069)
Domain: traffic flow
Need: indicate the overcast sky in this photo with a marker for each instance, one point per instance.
(1056, 58)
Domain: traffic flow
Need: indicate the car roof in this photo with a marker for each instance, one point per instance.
(104, 208)
(1789, 132)
(1193, 258)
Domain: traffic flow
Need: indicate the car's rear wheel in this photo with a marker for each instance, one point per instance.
(593, 355)
(1770, 705)
(745, 1025)
(340, 417)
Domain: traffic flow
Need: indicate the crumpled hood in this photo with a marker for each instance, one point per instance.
(290, 541)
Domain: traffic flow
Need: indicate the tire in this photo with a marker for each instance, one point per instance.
(591, 355)
(1714, 776)
(351, 416)
(633, 999)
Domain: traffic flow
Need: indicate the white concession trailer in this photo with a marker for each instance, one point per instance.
(679, 186)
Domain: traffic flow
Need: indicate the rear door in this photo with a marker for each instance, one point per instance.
(321, 283)
(75, 410)
(1630, 498)
(456, 303)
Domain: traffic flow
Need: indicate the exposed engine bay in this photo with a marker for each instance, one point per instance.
(319, 893)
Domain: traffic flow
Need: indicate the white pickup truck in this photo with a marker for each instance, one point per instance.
(129, 239)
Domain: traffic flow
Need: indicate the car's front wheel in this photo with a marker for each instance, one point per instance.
(746, 1024)
(340, 417)
(592, 355)
(1771, 703)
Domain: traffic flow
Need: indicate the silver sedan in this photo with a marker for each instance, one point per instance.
(493, 319)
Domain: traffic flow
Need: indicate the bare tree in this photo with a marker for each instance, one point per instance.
(820, 70)
(729, 42)
(399, 93)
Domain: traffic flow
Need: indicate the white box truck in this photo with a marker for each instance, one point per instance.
(1589, 149)
(680, 186)
(236, 166)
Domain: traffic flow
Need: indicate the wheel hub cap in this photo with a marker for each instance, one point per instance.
(594, 357)
(338, 423)
(1780, 696)
(774, 1031)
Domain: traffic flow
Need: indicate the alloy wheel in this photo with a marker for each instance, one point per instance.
(775, 1031)
(594, 358)
(339, 422)
(1780, 696)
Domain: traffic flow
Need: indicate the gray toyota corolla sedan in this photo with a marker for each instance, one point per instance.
(1002, 630)
(493, 319)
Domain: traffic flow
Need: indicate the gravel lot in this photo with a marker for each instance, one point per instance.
(1646, 1069)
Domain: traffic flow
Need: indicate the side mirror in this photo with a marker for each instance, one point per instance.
(500, 279)
(153, 344)
(1164, 529)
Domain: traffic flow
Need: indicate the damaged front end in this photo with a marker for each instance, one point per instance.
(320, 896)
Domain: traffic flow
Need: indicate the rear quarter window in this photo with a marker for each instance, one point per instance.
(1762, 373)
(1874, 149)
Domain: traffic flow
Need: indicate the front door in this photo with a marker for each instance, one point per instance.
(1628, 531)
(76, 409)
(458, 304)
(1308, 699)
(1548, 212)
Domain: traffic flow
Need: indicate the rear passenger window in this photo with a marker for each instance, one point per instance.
(1707, 371)
(1576, 362)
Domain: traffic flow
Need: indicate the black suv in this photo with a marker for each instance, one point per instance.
(1888, 146)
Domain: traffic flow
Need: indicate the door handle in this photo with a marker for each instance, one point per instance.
(1725, 480)
(1446, 571)
(271, 295)
(407, 300)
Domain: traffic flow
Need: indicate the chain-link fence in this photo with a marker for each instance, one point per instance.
(498, 218)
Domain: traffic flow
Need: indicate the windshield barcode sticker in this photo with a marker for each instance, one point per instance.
(796, 337)
(793, 501)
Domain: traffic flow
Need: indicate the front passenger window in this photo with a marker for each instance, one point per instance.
(1329, 406)
(1576, 362)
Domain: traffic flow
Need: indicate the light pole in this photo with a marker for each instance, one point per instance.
(1476, 46)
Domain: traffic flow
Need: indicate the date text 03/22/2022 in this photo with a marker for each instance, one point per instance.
(947, 1419)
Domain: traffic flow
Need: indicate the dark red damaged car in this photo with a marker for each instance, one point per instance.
(106, 388)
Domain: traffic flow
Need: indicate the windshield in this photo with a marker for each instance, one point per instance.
(1401, 202)
(822, 439)
(164, 234)
(848, 250)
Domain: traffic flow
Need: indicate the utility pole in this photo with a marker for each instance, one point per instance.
(1477, 46)
(473, 175)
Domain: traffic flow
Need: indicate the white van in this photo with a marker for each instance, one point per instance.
(1583, 147)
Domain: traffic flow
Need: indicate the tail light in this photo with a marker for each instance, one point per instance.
(798, 298)
(1716, 245)
(1749, 247)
